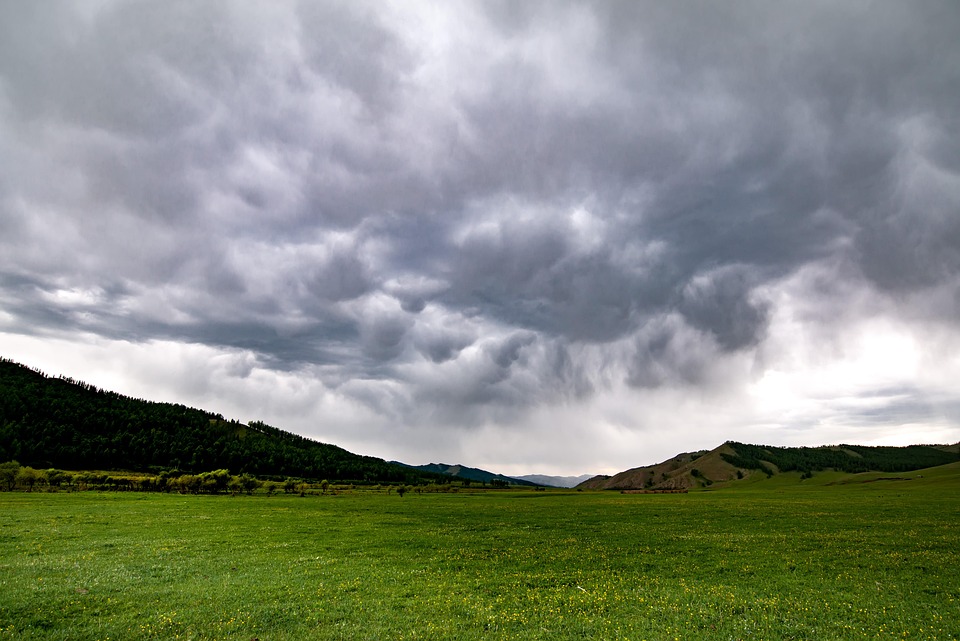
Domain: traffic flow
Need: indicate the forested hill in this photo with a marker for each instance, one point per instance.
(844, 458)
(67, 424)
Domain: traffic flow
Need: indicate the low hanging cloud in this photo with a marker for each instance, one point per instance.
(459, 227)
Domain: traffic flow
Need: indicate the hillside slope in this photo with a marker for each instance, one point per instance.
(58, 422)
(734, 461)
(682, 471)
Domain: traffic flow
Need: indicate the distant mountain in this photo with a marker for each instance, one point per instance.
(59, 422)
(469, 473)
(555, 481)
(735, 461)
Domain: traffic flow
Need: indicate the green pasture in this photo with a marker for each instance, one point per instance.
(775, 559)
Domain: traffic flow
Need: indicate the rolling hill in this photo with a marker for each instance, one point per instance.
(59, 422)
(735, 461)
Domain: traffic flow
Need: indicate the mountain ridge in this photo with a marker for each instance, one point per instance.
(469, 473)
(555, 481)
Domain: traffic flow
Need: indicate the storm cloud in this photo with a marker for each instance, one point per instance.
(536, 236)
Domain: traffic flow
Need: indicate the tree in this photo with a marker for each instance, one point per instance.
(402, 490)
(8, 473)
(271, 487)
(249, 483)
(28, 477)
(188, 483)
(215, 482)
(57, 477)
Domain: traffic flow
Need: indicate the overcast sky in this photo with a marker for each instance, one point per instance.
(555, 237)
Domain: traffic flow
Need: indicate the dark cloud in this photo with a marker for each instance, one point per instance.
(346, 44)
(467, 214)
(509, 351)
(342, 275)
(382, 333)
(443, 343)
(668, 353)
(720, 303)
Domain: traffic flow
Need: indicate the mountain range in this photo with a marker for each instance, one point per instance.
(483, 476)
(556, 481)
(463, 472)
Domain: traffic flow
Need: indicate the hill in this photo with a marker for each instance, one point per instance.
(63, 423)
(469, 473)
(734, 461)
(674, 473)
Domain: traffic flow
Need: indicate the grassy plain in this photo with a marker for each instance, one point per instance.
(775, 559)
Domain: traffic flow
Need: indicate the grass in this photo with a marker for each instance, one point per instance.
(785, 560)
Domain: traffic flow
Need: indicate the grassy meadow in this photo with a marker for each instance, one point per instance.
(776, 559)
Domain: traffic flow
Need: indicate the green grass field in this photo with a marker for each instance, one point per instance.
(772, 560)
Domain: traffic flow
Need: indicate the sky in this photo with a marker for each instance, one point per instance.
(537, 237)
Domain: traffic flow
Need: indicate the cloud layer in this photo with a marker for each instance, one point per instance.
(563, 236)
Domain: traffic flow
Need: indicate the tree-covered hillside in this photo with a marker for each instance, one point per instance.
(844, 458)
(62, 423)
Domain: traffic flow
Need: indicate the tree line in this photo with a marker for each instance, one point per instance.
(23, 477)
(58, 422)
(14, 476)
